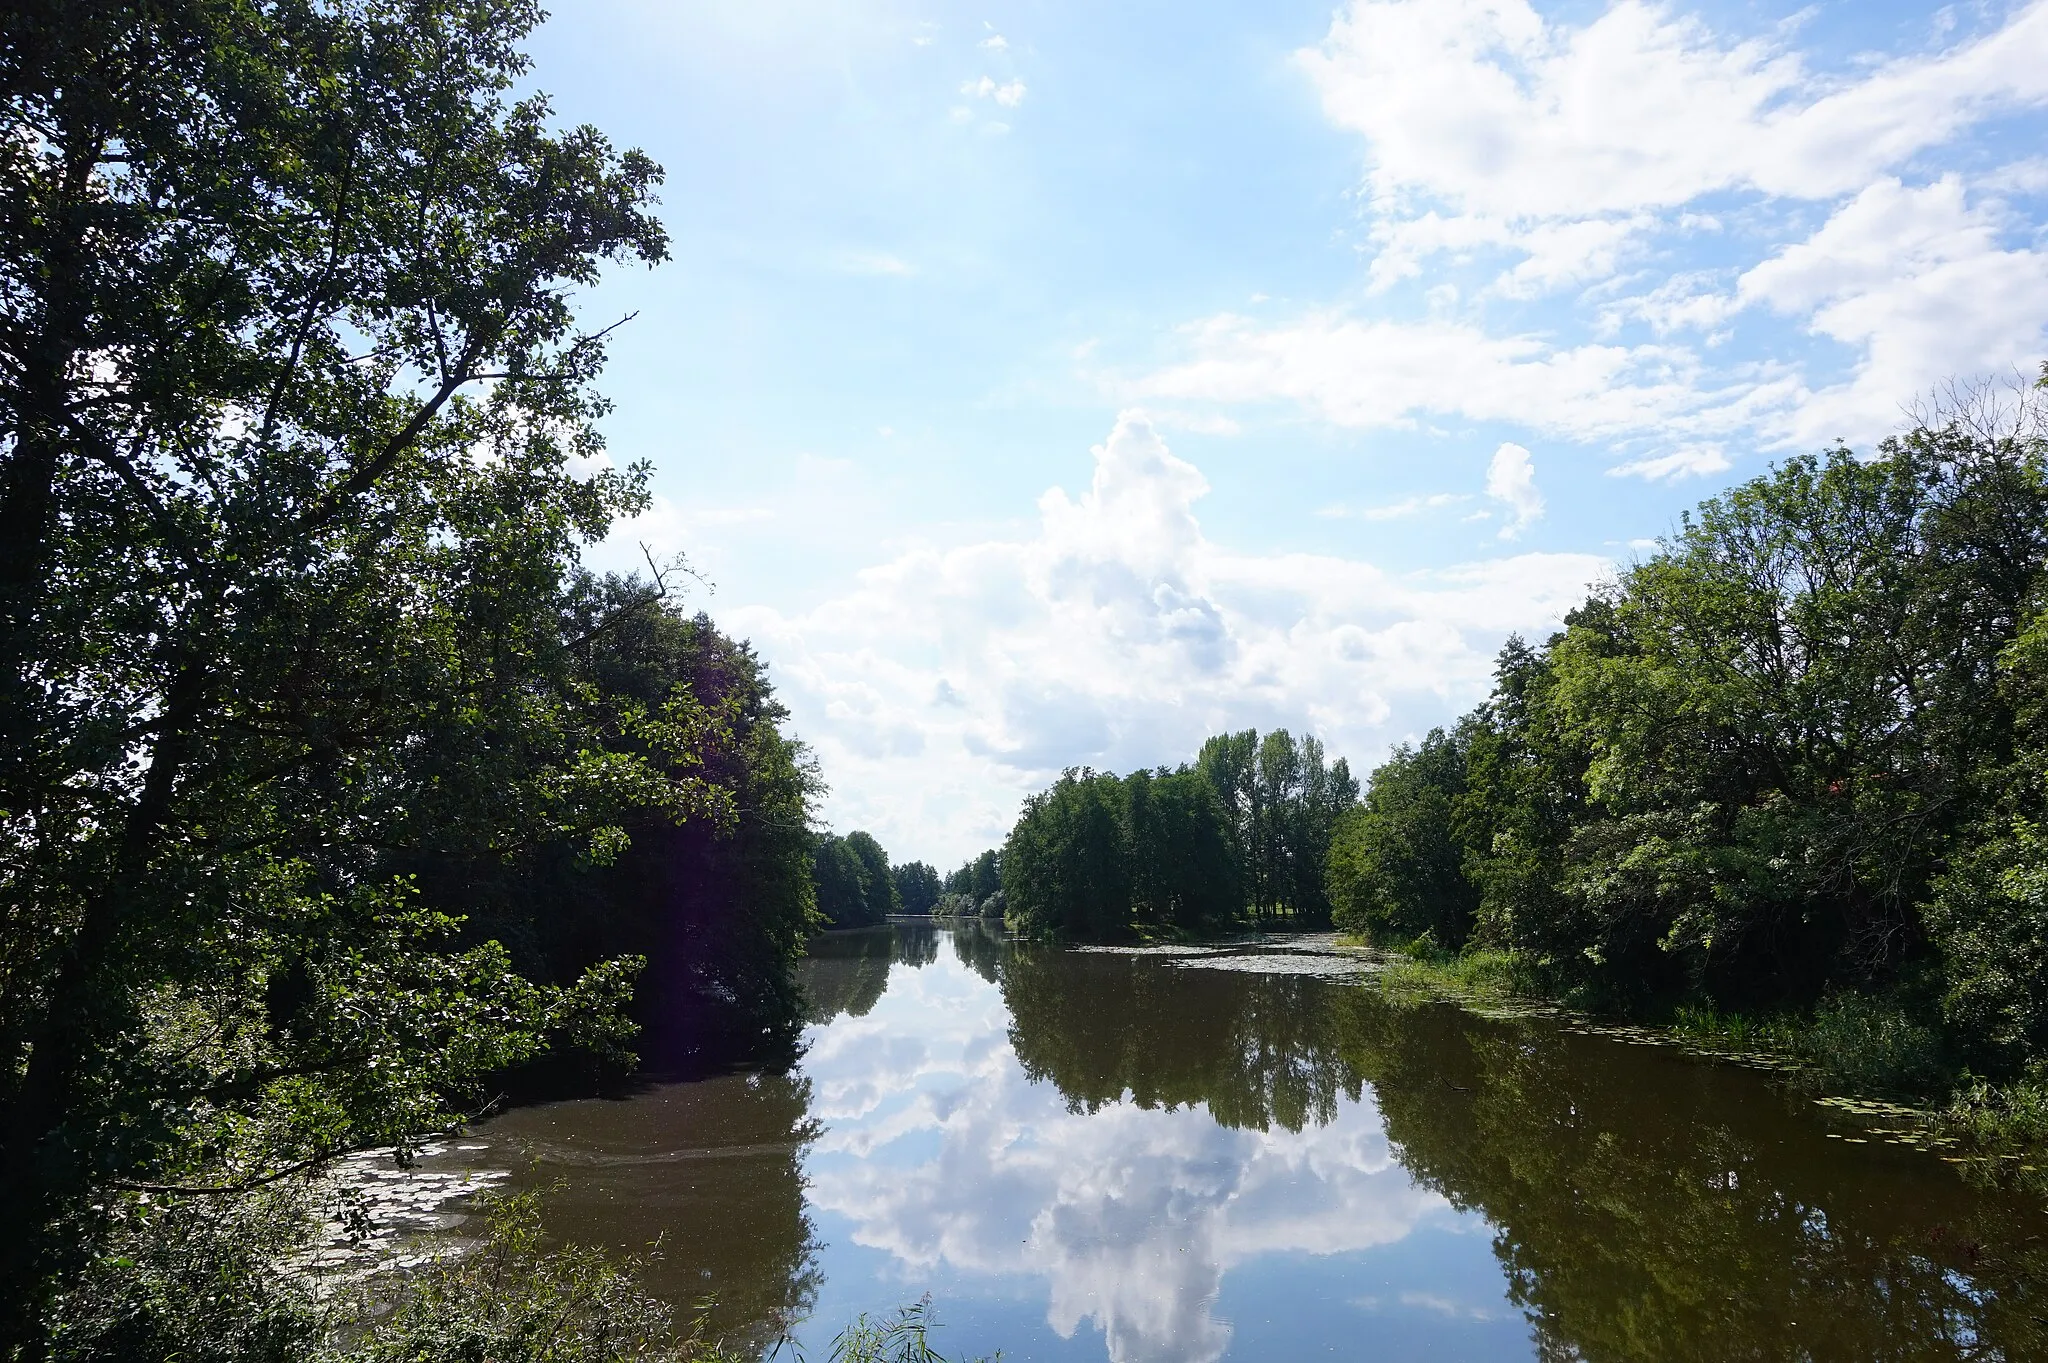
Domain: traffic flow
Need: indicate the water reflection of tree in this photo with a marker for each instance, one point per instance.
(1645, 1208)
(846, 972)
(1257, 1050)
(978, 946)
(1651, 1210)
(917, 942)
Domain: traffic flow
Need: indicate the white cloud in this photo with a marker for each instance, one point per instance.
(1395, 511)
(1367, 373)
(1691, 462)
(1511, 481)
(995, 42)
(1009, 94)
(1486, 106)
(1553, 253)
(1545, 155)
(944, 684)
(1911, 278)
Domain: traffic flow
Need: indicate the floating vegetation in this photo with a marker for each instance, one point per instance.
(1285, 963)
(380, 1215)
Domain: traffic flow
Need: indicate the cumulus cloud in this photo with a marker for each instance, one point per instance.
(945, 683)
(1491, 109)
(1511, 481)
(1546, 156)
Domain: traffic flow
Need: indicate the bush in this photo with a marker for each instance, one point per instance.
(199, 1281)
(223, 1280)
(1869, 1045)
(513, 1300)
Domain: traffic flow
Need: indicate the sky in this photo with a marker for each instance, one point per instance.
(1056, 384)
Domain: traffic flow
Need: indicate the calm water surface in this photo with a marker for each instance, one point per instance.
(1089, 1155)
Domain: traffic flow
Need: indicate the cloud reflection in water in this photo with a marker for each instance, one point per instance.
(941, 1152)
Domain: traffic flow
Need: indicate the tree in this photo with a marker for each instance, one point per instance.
(1066, 864)
(842, 885)
(917, 887)
(1794, 758)
(1229, 763)
(1396, 862)
(721, 910)
(877, 882)
(292, 401)
(1184, 871)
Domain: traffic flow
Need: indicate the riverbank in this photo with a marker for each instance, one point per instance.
(1851, 1054)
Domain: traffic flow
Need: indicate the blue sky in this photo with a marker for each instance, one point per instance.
(1047, 384)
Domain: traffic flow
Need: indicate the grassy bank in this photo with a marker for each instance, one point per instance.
(1849, 1045)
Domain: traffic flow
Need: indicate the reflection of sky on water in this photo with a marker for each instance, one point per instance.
(943, 1168)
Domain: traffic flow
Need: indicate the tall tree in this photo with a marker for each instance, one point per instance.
(1066, 865)
(292, 404)
(841, 878)
(1397, 862)
(877, 881)
(917, 886)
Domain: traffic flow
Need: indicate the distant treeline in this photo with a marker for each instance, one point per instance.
(1790, 764)
(857, 886)
(1243, 831)
(975, 890)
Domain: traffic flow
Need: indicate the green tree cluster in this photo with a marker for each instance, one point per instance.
(1791, 762)
(855, 885)
(917, 887)
(1282, 803)
(974, 890)
(1244, 830)
(720, 909)
(324, 772)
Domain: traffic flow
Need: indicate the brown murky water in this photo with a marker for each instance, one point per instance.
(1096, 1154)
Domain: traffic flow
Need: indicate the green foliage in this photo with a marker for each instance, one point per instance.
(917, 887)
(1248, 826)
(204, 1281)
(1183, 875)
(1990, 916)
(855, 886)
(878, 883)
(1475, 975)
(306, 715)
(1281, 804)
(1396, 861)
(979, 878)
(1790, 766)
(1736, 1031)
(1066, 865)
(719, 908)
(1873, 1046)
